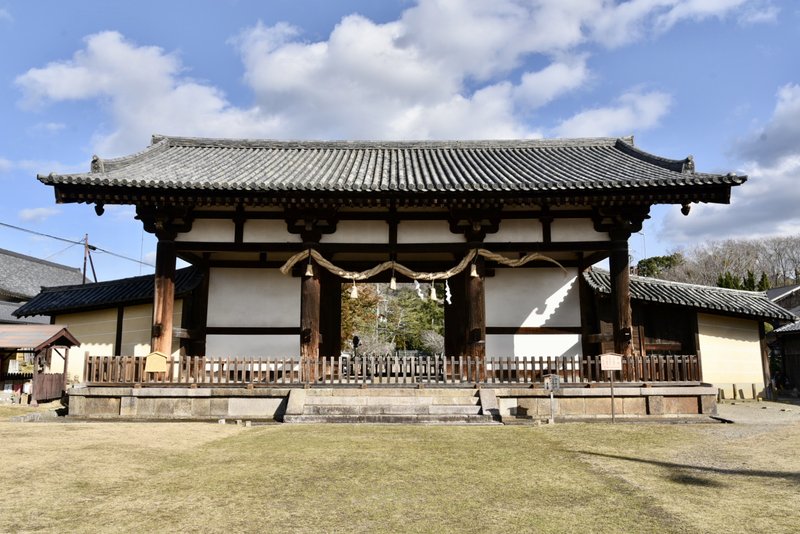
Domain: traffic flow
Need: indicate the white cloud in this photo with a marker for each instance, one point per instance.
(37, 214)
(767, 203)
(5, 15)
(633, 111)
(5, 165)
(47, 128)
(442, 69)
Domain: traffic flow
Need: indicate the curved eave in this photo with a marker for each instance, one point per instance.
(670, 194)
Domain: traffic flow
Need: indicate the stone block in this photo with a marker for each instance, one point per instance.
(569, 406)
(257, 408)
(128, 406)
(182, 407)
(219, 406)
(489, 404)
(146, 407)
(681, 405)
(201, 407)
(634, 406)
(101, 406)
(77, 405)
(655, 405)
(296, 402)
(164, 407)
(708, 404)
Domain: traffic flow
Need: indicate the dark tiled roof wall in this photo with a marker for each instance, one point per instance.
(139, 289)
(747, 303)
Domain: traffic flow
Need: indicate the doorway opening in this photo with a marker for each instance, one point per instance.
(407, 320)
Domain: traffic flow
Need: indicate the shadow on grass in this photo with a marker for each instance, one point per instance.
(680, 470)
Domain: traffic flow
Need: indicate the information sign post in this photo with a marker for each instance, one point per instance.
(552, 383)
(611, 363)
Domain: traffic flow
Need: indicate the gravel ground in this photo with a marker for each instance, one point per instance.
(759, 413)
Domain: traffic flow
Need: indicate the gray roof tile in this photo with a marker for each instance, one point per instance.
(526, 166)
(21, 276)
(747, 303)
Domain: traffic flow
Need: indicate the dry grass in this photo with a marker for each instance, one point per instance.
(12, 410)
(120, 477)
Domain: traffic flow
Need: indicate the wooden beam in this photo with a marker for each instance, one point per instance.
(163, 297)
(118, 333)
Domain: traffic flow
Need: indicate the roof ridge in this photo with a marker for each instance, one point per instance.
(173, 141)
(37, 260)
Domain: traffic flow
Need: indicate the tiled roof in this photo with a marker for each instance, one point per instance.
(523, 166)
(713, 299)
(136, 290)
(35, 336)
(776, 293)
(8, 308)
(788, 328)
(21, 276)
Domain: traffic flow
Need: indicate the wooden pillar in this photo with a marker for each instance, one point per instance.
(455, 318)
(310, 319)
(476, 315)
(621, 293)
(762, 336)
(330, 314)
(164, 297)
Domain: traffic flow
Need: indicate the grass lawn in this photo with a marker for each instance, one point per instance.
(88, 477)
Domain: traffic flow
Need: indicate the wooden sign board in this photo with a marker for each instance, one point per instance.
(155, 362)
(610, 362)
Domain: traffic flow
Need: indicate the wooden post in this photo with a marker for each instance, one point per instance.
(621, 294)
(765, 362)
(310, 320)
(476, 318)
(163, 297)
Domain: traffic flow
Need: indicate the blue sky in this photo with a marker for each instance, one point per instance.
(718, 79)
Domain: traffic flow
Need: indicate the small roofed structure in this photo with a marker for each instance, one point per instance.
(38, 343)
(724, 327)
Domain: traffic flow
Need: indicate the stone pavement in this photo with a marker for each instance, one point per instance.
(759, 413)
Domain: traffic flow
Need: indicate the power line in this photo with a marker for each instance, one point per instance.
(79, 242)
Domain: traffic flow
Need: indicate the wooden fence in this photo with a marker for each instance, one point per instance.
(47, 386)
(387, 370)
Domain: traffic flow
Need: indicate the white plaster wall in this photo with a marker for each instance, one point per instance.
(96, 330)
(253, 297)
(358, 232)
(253, 345)
(426, 232)
(517, 230)
(268, 231)
(575, 230)
(215, 230)
(517, 345)
(533, 297)
(730, 351)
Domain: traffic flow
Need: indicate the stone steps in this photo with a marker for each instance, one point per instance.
(386, 405)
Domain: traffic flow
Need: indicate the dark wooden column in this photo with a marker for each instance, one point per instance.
(164, 297)
(455, 318)
(476, 314)
(621, 293)
(330, 314)
(310, 318)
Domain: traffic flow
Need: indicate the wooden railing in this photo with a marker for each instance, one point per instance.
(387, 370)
